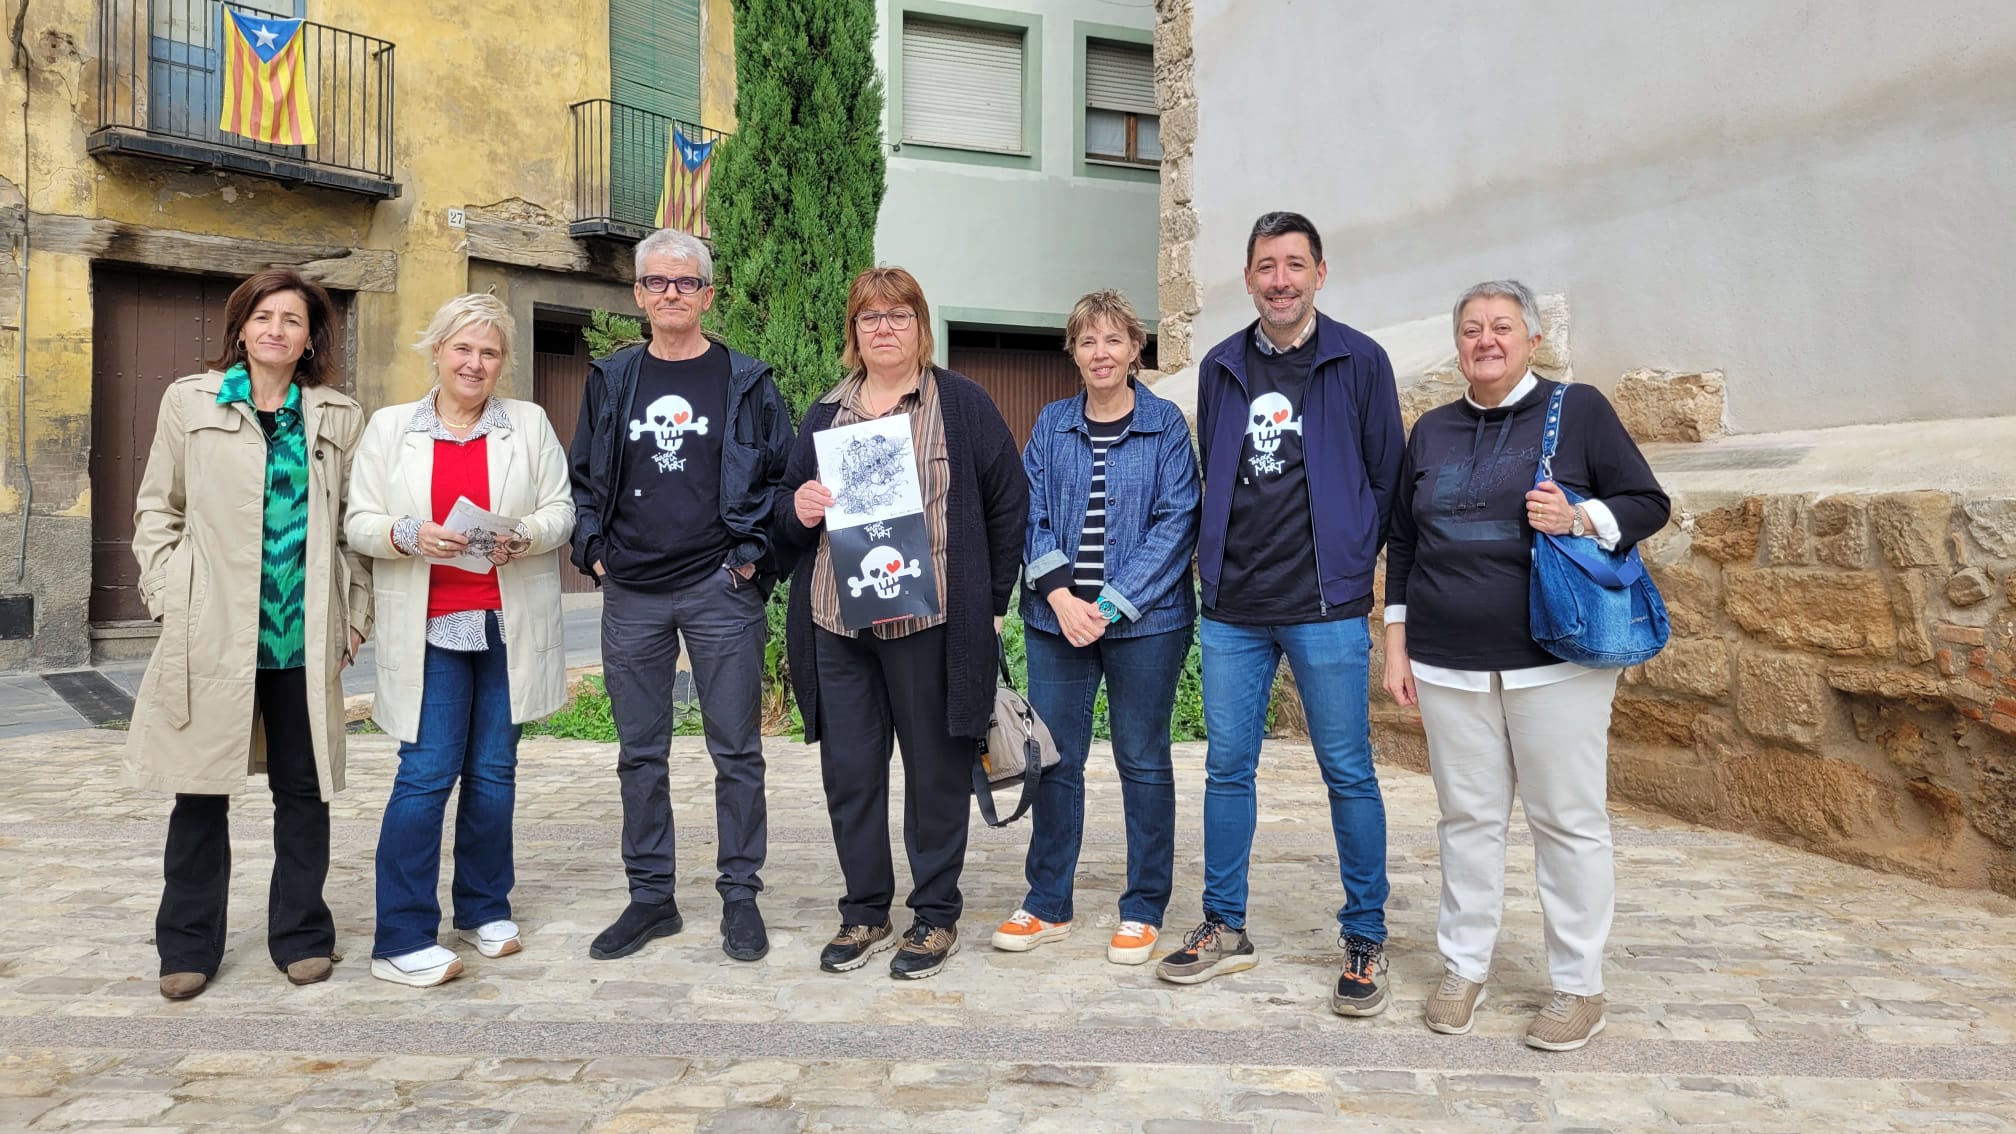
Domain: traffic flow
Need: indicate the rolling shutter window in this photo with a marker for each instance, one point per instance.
(962, 85)
(654, 56)
(1119, 76)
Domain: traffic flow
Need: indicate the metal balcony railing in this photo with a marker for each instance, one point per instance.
(619, 166)
(161, 92)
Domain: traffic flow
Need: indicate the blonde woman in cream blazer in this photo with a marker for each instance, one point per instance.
(464, 658)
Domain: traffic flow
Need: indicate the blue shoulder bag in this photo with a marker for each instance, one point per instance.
(1590, 606)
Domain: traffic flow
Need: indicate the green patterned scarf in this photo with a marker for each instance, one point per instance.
(283, 560)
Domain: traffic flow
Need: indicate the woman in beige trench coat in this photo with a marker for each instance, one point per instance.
(239, 533)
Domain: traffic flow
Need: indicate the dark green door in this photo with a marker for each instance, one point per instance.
(654, 72)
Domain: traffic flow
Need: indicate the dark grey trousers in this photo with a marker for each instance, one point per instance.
(722, 622)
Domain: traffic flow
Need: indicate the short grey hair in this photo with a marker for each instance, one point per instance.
(462, 311)
(683, 245)
(1499, 289)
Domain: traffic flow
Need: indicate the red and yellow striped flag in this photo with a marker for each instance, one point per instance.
(682, 201)
(265, 81)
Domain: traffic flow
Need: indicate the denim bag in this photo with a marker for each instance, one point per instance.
(1586, 605)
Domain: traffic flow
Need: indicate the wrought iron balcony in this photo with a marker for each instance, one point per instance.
(161, 91)
(619, 166)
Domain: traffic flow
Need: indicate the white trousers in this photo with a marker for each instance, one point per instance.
(1551, 744)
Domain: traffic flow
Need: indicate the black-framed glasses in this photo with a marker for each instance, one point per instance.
(897, 320)
(684, 285)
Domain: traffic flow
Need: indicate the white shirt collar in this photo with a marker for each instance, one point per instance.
(1524, 388)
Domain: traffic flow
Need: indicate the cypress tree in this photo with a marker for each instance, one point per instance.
(797, 188)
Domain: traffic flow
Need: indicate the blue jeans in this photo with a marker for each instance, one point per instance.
(1331, 663)
(466, 735)
(1140, 675)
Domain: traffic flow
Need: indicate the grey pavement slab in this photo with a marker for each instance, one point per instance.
(1752, 987)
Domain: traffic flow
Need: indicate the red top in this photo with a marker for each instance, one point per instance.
(460, 470)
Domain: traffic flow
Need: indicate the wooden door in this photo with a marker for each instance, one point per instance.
(148, 329)
(559, 373)
(1020, 380)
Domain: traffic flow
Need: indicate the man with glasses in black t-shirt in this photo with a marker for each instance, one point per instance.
(679, 444)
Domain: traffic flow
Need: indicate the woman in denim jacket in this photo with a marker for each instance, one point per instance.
(1107, 595)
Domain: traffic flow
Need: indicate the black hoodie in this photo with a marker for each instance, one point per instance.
(1460, 552)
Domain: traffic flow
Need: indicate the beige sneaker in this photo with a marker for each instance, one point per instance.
(1453, 1009)
(1568, 1022)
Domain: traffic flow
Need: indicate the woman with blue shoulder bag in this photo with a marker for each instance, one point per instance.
(1499, 491)
(1113, 495)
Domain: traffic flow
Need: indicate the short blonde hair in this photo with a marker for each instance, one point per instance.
(462, 311)
(893, 287)
(1108, 306)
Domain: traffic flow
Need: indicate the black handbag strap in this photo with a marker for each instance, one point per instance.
(1032, 760)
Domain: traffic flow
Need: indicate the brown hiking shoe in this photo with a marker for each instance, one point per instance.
(1453, 1009)
(854, 944)
(1568, 1022)
(925, 950)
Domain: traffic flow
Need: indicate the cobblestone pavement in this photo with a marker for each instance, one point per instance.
(1752, 987)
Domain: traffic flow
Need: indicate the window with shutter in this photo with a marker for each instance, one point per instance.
(1121, 120)
(962, 85)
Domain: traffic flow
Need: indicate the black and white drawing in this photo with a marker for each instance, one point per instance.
(876, 534)
(1268, 419)
(871, 470)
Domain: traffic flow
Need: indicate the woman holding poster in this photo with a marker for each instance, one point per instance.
(462, 497)
(903, 508)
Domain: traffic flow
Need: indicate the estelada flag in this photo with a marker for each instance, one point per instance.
(682, 202)
(266, 81)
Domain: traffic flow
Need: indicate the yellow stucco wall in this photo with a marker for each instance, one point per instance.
(481, 119)
(717, 65)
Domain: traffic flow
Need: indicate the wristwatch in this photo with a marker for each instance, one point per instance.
(1578, 528)
(1106, 608)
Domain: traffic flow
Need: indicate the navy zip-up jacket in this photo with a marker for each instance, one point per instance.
(1352, 447)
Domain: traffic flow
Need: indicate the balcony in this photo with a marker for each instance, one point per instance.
(619, 166)
(161, 92)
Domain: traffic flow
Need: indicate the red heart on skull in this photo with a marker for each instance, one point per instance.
(895, 565)
(678, 419)
(1280, 415)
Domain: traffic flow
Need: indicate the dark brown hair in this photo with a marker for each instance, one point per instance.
(895, 287)
(318, 362)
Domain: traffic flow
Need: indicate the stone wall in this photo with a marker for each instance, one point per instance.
(1178, 293)
(1841, 677)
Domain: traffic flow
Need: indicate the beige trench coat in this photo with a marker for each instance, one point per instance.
(198, 529)
(528, 481)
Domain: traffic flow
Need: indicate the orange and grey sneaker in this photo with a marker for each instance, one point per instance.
(1568, 1022)
(1024, 931)
(1361, 986)
(1212, 949)
(1132, 943)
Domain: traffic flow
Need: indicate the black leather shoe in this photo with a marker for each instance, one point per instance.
(640, 922)
(742, 934)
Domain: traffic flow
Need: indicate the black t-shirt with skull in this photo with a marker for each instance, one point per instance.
(1269, 575)
(666, 531)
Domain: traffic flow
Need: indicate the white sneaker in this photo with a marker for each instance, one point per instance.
(422, 968)
(495, 939)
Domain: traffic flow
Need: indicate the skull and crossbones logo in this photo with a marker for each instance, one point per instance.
(667, 420)
(882, 568)
(1268, 420)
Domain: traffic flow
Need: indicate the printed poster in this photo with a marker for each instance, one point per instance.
(875, 530)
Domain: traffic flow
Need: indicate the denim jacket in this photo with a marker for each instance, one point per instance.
(1151, 513)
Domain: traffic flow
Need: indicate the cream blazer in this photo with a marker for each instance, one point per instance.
(392, 477)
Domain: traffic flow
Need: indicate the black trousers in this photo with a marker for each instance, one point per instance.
(873, 691)
(189, 927)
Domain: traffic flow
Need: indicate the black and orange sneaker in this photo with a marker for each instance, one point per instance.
(1361, 987)
(1212, 949)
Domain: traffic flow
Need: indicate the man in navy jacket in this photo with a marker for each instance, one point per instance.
(1298, 424)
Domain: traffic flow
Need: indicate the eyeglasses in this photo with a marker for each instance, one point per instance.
(684, 285)
(897, 320)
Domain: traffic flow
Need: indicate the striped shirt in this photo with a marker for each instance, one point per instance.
(283, 612)
(1088, 572)
(927, 439)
